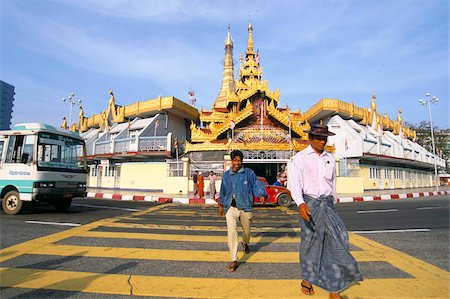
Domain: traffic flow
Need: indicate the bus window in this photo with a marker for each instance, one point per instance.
(28, 148)
(59, 152)
(14, 152)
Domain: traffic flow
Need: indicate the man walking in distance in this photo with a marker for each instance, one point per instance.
(325, 257)
(239, 184)
(212, 184)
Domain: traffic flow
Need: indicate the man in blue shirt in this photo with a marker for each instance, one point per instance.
(239, 185)
(278, 181)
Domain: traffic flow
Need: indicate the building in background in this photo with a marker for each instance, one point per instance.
(6, 105)
(157, 145)
(137, 146)
(374, 152)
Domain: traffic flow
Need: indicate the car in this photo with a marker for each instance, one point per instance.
(277, 194)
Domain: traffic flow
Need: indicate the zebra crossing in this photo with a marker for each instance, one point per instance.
(180, 251)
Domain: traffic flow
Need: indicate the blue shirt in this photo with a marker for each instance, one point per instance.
(243, 184)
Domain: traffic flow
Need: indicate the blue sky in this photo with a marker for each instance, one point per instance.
(142, 49)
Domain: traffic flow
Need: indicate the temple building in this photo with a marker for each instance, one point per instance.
(157, 145)
(246, 116)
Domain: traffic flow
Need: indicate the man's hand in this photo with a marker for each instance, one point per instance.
(262, 199)
(304, 212)
(221, 210)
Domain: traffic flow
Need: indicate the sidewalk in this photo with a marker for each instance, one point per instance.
(370, 195)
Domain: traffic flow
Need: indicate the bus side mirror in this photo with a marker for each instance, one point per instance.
(24, 158)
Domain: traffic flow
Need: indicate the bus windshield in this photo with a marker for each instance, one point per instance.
(57, 152)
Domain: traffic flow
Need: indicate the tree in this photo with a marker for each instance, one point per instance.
(441, 140)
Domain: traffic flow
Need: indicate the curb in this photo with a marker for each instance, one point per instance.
(150, 198)
(390, 196)
(202, 201)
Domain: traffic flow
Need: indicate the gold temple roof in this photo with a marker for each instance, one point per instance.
(239, 102)
(118, 114)
(364, 116)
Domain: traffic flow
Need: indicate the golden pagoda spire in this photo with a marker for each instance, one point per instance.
(251, 71)
(250, 38)
(228, 74)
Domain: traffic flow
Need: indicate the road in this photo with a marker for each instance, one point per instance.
(111, 249)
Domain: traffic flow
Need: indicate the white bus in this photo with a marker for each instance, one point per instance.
(41, 163)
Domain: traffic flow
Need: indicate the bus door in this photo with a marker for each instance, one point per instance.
(16, 167)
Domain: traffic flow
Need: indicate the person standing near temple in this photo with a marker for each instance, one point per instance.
(194, 180)
(200, 184)
(325, 257)
(212, 184)
(239, 185)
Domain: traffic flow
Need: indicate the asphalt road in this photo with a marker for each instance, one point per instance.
(81, 240)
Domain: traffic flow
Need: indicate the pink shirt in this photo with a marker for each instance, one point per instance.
(313, 175)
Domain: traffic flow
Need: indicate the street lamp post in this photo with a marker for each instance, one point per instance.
(69, 100)
(428, 103)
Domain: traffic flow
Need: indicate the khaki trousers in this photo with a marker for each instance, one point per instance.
(233, 216)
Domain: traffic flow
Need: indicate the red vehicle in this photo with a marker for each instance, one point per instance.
(277, 194)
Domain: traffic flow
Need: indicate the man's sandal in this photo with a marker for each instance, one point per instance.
(307, 290)
(232, 267)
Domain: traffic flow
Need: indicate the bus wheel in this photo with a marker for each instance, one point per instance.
(62, 204)
(284, 200)
(11, 203)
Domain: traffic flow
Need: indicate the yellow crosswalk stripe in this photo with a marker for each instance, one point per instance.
(215, 213)
(177, 255)
(22, 248)
(411, 265)
(199, 227)
(184, 238)
(185, 287)
(217, 220)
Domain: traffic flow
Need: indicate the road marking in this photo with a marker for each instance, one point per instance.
(106, 207)
(183, 238)
(29, 246)
(391, 231)
(417, 268)
(213, 219)
(377, 211)
(187, 287)
(178, 255)
(425, 281)
(430, 208)
(166, 254)
(53, 223)
(295, 229)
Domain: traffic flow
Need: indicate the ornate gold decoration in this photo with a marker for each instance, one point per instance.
(82, 121)
(213, 116)
(64, 123)
(215, 129)
(208, 146)
(296, 121)
(256, 134)
(262, 146)
(120, 114)
(361, 115)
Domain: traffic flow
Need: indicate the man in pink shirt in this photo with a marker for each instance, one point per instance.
(325, 257)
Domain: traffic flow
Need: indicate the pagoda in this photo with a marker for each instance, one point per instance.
(246, 113)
